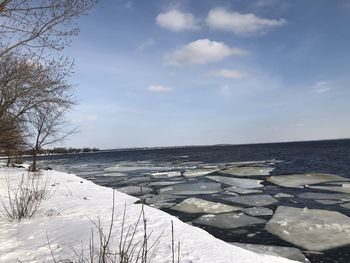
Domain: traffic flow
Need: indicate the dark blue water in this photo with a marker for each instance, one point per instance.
(140, 167)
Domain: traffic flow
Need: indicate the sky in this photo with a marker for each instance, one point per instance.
(190, 72)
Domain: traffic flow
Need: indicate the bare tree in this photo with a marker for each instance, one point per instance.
(47, 126)
(31, 26)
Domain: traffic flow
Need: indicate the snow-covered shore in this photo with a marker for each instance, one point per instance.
(65, 219)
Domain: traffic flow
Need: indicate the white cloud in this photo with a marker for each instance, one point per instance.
(202, 51)
(241, 24)
(159, 88)
(177, 21)
(227, 73)
(321, 87)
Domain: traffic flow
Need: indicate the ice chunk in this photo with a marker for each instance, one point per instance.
(328, 202)
(332, 188)
(311, 229)
(285, 252)
(324, 196)
(163, 205)
(228, 221)
(199, 172)
(248, 171)
(166, 174)
(283, 195)
(258, 211)
(196, 205)
(237, 182)
(252, 200)
(161, 199)
(299, 180)
(135, 190)
(346, 205)
(191, 189)
(243, 191)
(165, 183)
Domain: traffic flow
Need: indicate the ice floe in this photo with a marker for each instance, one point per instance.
(332, 188)
(299, 180)
(135, 190)
(248, 171)
(252, 200)
(286, 252)
(199, 172)
(283, 195)
(228, 221)
(324, 196)
(191, 189)
(165, 183)
(258, 211)
(242, 190)
(237, 182)
(196, 205)
(346, 205)
(311, 229)
(328, 202)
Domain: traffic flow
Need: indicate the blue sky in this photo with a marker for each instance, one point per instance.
(160, 73)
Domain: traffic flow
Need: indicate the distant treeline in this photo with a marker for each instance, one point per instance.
(64, 150)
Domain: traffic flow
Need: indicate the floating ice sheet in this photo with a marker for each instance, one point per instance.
(199, 172)
(346, 205)
(228, 221)
(135, 190)
(285, 252)
(328, 202)
(191, 189)
(283, 195)
(324, 196)
(196, 205)
(332, 188)
(165, 183)
(242, 190)
(258, 211)
(252, 200)
(299, 180)
(248, 171)
(237, 182)
(311, 229)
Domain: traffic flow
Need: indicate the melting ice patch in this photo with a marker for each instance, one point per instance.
(199, 172)
(311, 229)
(299, 180)
(237, 182)
(324, 196)
(332, 188)
(228, 221)
(196, 205)
(242, 190)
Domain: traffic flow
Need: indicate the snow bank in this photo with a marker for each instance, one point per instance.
(65, 219)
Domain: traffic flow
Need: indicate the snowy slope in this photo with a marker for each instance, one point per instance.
(65, 219)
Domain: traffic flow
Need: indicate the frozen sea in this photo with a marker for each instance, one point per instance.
(234, 191)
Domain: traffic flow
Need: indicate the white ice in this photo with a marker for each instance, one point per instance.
(237, 182)
(197, 205)
(311, 229)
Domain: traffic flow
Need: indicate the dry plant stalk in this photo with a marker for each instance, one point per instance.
(25, 200)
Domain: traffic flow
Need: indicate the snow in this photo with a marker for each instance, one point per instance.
(65, 219)
(311, 229)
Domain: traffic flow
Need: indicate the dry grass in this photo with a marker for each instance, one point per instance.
(24, 200)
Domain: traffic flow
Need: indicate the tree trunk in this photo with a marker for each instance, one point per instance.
(35, 154)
